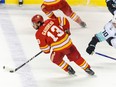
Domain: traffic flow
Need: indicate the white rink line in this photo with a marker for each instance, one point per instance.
(16, 50)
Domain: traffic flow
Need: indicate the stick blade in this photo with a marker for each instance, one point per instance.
(8, 69)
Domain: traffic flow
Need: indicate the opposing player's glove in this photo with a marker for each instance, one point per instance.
(91, 46)
(90, 49)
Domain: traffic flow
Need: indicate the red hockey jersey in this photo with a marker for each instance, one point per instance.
(52, 35)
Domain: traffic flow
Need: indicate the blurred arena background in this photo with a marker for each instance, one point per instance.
(72, 2)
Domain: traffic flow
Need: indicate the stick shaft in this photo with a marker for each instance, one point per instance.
(27, 61)
(105, 55)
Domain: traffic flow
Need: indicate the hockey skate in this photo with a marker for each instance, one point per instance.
(89, 71)
(70, 70)
(20, 4)
(83, 24)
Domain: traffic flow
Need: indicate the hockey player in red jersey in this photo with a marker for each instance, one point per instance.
(53, 34)
(49, 6)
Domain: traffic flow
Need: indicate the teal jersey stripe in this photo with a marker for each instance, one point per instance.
(100, 36)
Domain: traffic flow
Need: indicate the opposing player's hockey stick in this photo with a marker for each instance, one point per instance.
(105, 55)
(14, 70)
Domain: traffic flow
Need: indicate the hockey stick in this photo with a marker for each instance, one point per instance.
(105, 55)
(12, 71)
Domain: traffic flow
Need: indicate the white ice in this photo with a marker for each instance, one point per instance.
(18, 44)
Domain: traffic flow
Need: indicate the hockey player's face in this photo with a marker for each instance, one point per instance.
(114, 24)
(36, 25)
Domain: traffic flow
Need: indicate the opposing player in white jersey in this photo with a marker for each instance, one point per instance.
(108, 35)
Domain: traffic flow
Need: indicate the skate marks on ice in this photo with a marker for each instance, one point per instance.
(53, 77)
(15, 50)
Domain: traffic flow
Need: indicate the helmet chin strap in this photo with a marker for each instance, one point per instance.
(38, 25)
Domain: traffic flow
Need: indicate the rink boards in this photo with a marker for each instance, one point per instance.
(72, 2)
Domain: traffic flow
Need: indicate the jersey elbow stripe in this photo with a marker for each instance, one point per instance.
(45, 48)
(46, 51)
(50, 14)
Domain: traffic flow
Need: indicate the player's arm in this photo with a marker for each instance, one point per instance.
(99, 37)
(92, 44)
(42, 44)
(65, 24)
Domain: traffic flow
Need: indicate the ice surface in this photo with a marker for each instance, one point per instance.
(18, 44)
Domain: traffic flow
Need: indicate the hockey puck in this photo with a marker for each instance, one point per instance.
(3, 67)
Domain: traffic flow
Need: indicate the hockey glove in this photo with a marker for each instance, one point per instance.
(68, 32)
(90, 49)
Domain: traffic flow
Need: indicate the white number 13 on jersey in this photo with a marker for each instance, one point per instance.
(55, 29)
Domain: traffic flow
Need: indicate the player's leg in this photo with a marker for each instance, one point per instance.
(48, 10)
(75, 56)
(67, 10)
(57, 58)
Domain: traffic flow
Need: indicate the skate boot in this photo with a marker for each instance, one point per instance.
(89, 71)
(83, 24)
(20, 3)
(70, 70)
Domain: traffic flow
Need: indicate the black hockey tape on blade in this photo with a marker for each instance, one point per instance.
(8, 69)
(11, 71)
